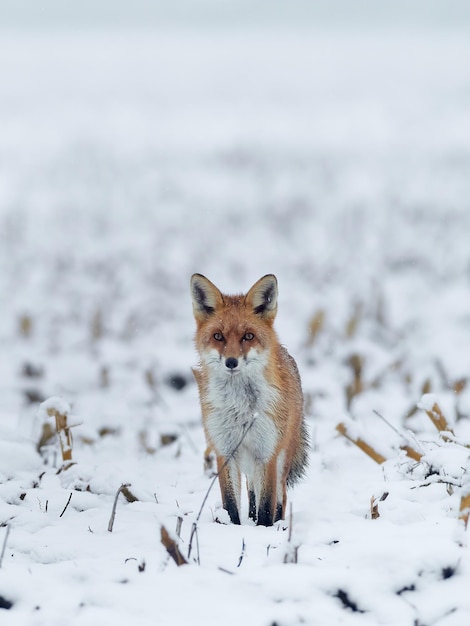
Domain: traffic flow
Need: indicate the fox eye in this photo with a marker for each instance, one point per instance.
(248, 337)
(218, 337)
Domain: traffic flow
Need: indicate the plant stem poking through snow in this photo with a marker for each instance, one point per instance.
(242, 553)
(60, 410)
(316, 325)
(172, 547)
(440, 474)
(433, 411)
(409, 450)
(465, 509)
(374, 508)
(464, 513)
(121, 489)
(374, 505)
(171, 544)
(5, 539)
(292, 550)
(179, 523)
(365, 447)
(68, 502)
(65, 436)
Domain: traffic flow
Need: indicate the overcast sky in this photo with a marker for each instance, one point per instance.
(152, 13)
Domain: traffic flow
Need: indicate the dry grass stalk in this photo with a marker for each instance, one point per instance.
(315, 327)
(87, 441)
(457, 386)
(465, 508)
(380, 309)
(104, 377)
(365, 447)
(374, 508)
(97, 327)
(25, 324)
(411, 411)
(47, 433)
(127, 493)
(150, 379)
(425, 389)
(412, 453)
(107, 431)
(168, 439)
(377, 382)
(63, 431)
(172, 547)
(374, 505)
(356, 386)
(353, 322)
(438, 419)
(291, 555)
(144, 442)
(122, 490)
(409, 450)
(179, 523)
(66, 506)
(356, 362)
(242, 553)
(4, 546)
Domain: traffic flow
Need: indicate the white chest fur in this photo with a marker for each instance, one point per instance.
(241, 404)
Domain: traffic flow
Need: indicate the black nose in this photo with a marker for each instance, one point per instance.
(231, 363)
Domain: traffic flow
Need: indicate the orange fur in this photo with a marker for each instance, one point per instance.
(251, 397)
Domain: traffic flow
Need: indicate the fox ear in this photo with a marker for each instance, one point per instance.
(205, 295)
(262, 297)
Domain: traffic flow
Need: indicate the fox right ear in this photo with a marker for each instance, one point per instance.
(205, 295)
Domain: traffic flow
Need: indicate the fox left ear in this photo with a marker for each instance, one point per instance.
(262, 297)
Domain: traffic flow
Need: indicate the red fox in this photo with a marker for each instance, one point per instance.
(251, 397)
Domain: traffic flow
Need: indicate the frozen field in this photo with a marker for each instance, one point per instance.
(336, 158)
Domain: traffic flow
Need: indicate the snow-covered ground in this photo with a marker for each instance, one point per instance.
(337, 158)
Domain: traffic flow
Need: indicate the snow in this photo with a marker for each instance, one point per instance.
(333, 156)
(427, 402)
(54, 404)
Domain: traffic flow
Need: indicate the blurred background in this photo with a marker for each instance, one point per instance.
(326, 142)
(202, 13)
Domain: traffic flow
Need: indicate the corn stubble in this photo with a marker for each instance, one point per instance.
(447, 438)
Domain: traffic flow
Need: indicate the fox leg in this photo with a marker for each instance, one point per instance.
(229, 480)
(209, 459)
(268, 496)
(281, 488)
(251, 499)
(255, 485)
(281, 501)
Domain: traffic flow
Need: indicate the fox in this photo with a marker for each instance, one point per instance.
(251, 398)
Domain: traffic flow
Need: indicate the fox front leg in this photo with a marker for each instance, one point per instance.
(270, 506)
(229, 480)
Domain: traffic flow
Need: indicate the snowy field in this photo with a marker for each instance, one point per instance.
(337, 158)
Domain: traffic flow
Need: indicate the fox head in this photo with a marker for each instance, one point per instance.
(234, 332)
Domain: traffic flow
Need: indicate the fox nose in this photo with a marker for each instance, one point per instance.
(231, 363)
